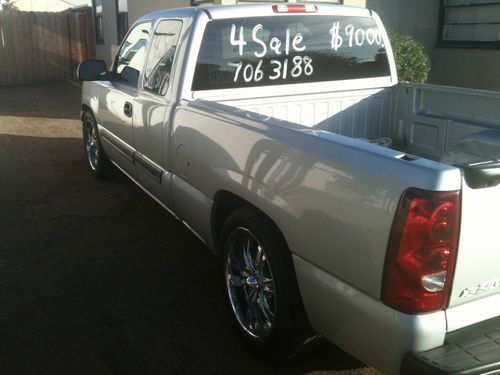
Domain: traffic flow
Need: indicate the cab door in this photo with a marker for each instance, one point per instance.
(153, 109)
(116, 102)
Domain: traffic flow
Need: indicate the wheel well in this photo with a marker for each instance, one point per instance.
(86, 108)
(225, 203)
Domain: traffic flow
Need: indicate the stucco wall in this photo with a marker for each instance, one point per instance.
(415, 17)
(355, 3)
(475, 68)
(107, 50)
(458, 67)
(138, 8)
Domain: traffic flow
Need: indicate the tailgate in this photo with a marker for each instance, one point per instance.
(477, 272)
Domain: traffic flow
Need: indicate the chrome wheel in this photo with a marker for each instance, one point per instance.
(91, 145)
(250, 283)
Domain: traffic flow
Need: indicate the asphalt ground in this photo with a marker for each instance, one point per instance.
(95, 277)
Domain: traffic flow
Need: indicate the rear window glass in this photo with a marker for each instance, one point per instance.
(262, 51)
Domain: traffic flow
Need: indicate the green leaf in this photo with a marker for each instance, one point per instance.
(412, 62)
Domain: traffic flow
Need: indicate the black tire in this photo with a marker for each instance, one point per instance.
(98, 162)
(278, 335)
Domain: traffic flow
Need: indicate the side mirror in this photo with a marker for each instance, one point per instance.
(92, 70)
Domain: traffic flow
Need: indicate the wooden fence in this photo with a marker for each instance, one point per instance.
(44, 47)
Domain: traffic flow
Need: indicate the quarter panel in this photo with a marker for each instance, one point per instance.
(333, 197)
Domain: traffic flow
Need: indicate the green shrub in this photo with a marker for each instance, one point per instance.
(412, 62)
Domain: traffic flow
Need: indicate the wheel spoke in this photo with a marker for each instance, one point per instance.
(265, 309)
(250, 319)
(253, 295)
(236, 280)
(250, 283)
(268, 286)
(247, 256)
(91, 145)
(237, 266)
(259, 259)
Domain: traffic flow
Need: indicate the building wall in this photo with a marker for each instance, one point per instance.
(474, 68)
(415, 17)
(106, 51)
(137, 9)
(356, 3)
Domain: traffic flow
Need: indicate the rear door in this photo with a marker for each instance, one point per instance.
(153, 107)
(116, 107)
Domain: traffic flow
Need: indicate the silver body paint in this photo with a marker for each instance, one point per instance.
(292, 151)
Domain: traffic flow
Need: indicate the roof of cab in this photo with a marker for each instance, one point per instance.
(251, 10)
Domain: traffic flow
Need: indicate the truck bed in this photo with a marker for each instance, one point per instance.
(451, 125)
(426, 123)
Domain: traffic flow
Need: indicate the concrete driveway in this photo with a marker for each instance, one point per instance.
(95, 277)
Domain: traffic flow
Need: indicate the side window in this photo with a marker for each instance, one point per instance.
(130, 59)
(161, 56)
(99, 31)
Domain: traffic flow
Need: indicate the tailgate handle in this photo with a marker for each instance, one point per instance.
(127, 109)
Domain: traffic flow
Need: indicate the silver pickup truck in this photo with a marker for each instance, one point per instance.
(340, 202)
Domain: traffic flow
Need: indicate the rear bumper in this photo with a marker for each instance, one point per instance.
(471, 350)
(362, 325)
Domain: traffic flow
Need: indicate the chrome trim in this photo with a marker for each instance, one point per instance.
(146, 191)
(116, 142)
(91, 145)
(132, 154)
(250, 283)
(149, 166)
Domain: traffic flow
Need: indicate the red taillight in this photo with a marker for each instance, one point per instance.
(422, 251)
(295, 8)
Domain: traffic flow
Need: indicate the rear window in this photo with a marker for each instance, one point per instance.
(263, 51)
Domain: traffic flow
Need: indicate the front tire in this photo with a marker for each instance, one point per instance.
(98, 162)
(260, 285)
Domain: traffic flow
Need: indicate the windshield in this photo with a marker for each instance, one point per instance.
(261, 51)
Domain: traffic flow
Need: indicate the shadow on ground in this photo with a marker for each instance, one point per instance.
(95, 277)
(48, 100)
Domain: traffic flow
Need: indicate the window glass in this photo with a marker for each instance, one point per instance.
(161, 55)
(121, 19)
(201, 2)
(130, 59)
(471, 22)
(261, 51)
(469, 2)
(99, 32)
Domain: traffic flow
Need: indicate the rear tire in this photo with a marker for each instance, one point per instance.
(98, 162)
(260, 286)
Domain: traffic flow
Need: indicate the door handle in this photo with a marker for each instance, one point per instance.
(127, 109)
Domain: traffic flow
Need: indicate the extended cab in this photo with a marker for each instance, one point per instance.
(333, 195)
